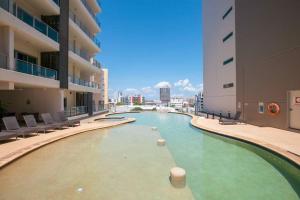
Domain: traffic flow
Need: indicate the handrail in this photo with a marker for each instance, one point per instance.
(90, 10)
(35, 23)
(82, 82)
(57, 2)
(76, 110)
(33, 69)
(84, 29)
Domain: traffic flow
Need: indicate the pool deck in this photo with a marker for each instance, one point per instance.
(15, 149)
(285, 143)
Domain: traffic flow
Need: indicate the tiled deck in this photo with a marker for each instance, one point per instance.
(12, 150)
(286, 143)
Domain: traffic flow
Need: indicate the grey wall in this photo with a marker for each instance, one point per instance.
(268, 57)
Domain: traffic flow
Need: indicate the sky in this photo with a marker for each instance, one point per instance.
(146, 44)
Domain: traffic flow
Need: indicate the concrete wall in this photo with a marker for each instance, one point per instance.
(268, 57)
(105, 85)
(71, 98)
(33, 100)
(216, 98)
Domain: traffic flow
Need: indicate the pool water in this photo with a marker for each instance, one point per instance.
(125, 163)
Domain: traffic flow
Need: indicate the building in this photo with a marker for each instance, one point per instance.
(164, 94)
(104, 76)
(251, 60)
(136, 100)
(119, 97)
(199, 103)
(177, 102)
(47, 62)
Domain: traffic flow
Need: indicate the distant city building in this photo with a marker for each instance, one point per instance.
(150, 102)
(251, 61)
(136, 100)
(124, 100)
(198, 103)
(119, 97)
(164, 94)
(191, 102)
(177, 102)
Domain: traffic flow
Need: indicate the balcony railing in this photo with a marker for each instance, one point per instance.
(35, 23)
(5, 4)
(85, 83)
(90, 10)
(74, 111)
(36, 70)
(84, 29)
(57, 2)
(99, 3)
(96, 63)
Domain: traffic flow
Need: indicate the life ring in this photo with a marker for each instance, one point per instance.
(273, 109)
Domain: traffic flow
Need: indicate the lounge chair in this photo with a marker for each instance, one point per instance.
(31, 123)
(48, 120)
(4, 135)
(233, 121)
(11, 124)
(61, 118)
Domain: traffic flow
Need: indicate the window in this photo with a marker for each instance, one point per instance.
(227, 13)
(228, 85)
(228, 61)
(227, 36)
(261, 107)
(25, 57)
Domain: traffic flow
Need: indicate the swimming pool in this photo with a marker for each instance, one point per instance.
(125, 163)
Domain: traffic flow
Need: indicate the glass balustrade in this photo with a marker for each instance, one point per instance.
(90, 10)
(57, 2)
(36, 70)
(85, 83)
(35, 23)
(84, 29)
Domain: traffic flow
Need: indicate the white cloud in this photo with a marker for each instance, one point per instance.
(163, 84)
(186, 85)
(182, 83)
(190, 88)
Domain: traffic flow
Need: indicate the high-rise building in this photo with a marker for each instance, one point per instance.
(251, 60)
(47, 51)
(199, 103)
(164, 94)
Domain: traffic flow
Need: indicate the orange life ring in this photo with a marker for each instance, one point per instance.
(273, 109)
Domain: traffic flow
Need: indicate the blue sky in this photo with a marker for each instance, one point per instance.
(148, 43)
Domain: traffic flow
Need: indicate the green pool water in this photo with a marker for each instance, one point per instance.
(125, 163)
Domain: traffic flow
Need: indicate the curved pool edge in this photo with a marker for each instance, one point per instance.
(17, 153)
(292, 158)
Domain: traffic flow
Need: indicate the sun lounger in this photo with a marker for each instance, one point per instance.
(61, 118)
(31, 123)
(72, 121)
(4, 135)
(233, 121)
(11, 124)
(48, 120)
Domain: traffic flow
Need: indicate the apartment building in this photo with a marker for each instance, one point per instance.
(47, 57)
(251, 60)
(164, 95)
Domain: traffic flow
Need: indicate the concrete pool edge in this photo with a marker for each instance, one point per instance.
(22, 150)
(289, 156)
